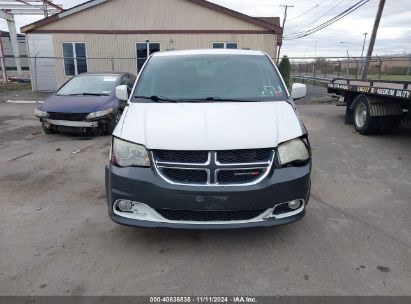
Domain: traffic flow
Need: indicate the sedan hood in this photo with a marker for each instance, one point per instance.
(209, 126)
(76, 104)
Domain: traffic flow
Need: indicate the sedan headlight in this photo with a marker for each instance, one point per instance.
(40, 114)
(294, 150)
(126, 154)
(100, 114)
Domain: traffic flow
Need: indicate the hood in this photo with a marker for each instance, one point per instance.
(77, 104)
(209, 126)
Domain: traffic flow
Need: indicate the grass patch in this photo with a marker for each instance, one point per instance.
(13, 86)
(390, 77)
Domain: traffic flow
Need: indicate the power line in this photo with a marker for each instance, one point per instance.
(306, 12)
(320, 17)
(305, 27)
(327, 23)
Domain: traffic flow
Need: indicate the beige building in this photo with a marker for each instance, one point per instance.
(106, 35)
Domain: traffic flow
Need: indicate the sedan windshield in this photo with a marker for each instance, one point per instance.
(98, 85)
(209, 78)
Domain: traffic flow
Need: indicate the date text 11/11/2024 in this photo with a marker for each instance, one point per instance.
(203, 299)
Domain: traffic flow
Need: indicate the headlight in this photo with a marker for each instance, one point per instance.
(99, 114)
(125, 154)
(294, 150)
(40, 114)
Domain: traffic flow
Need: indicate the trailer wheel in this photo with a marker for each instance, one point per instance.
(364, 123)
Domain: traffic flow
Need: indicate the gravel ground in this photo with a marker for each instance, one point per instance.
(57, 239)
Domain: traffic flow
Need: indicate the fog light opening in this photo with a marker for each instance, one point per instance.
(125, 206)
(294, 205)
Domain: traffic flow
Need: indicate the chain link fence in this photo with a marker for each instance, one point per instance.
(48, 73)
(396, 68)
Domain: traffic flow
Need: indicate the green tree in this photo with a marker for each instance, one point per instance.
(285, 70)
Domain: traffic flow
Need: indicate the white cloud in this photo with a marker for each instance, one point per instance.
(394, 33)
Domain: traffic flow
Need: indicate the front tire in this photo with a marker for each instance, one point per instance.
(364, 123)
(48, 128)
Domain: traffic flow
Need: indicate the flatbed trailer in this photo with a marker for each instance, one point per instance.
(373, 106)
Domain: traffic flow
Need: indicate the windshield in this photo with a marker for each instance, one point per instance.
(209, 77)
(89, 85)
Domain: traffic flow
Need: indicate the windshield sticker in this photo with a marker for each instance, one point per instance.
(268, 91)
(278, 91)
(272, 91)
(110, 79)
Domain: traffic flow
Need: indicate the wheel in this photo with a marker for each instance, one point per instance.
(48, 128)
(364, 123)
(113, 122)
(388, 124)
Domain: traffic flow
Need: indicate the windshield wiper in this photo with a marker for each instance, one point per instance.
(226, 99)
(156, 98)
(87, 94)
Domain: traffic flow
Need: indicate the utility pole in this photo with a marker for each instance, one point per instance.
(46, 12)
(2, 62)
(372, 40)
(363, 46)
(286, 6)
(362, 53)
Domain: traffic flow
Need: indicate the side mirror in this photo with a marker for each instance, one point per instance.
(298, 91)
(122, 92)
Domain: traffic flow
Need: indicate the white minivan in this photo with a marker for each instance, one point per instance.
(209, 139)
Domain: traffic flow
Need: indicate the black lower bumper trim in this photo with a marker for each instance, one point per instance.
(209, 226)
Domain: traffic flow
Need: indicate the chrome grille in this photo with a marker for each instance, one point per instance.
(213, 168)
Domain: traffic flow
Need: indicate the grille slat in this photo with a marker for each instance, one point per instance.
(68, 116)
(244, 156)
(186, 176)
(182, 156)
(233, 167)
(208, 216)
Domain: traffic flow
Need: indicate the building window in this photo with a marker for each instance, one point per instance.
(75, 58)
(225, 45)
(144, 50)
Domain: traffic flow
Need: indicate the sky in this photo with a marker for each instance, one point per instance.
(346, 35)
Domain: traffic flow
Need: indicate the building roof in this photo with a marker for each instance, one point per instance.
(7, 34)
(273, 20)
(268, 23)
(209, 52)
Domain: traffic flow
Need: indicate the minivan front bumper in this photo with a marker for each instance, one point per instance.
(149, 192)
